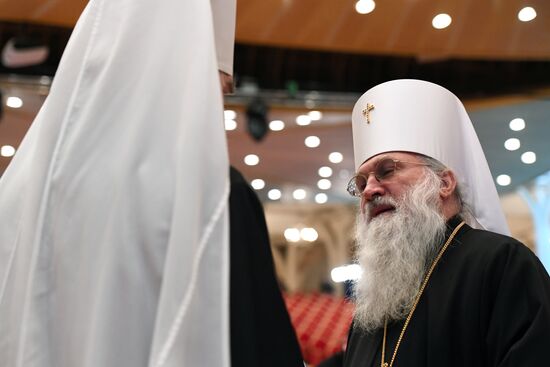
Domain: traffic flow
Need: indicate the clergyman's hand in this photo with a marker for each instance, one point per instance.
(226, 82)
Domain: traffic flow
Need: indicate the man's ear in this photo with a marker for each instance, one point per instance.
(448, 184)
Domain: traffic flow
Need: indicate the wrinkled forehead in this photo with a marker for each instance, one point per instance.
(370, 164)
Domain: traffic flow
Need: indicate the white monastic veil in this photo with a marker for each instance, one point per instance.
(113, 220)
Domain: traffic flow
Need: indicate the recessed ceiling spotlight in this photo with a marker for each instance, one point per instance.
(299, 194)
(512, 144)
(274, 194)
(321, 198)
(230, 125)
(312, 141)
(258, 184)
(309, 234)
(14, 102)
(324, 184)
(229, 115)
(335, 157)
(45, 80)
(441, 21)
(325, 171)
(527, 14)
(276, 125)
(303, 120)
(529, 157)
(7, 151)
(292, 234)
(251, 160)
(504, 180)
(315, 115)
(517, 124)
(365, 6)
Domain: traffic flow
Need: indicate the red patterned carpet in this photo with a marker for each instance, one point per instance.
(321, 322)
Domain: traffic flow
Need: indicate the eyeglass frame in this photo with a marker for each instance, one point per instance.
(379, 179)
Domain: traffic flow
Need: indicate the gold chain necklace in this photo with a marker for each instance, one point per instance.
(409, 316)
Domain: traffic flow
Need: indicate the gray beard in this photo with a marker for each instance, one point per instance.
(394, 251)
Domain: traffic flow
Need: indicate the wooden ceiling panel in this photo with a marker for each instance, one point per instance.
(54, 12)
(416, 30)
(317, 20)
(480, 29)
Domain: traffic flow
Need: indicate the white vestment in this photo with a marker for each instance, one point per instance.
(113, 213)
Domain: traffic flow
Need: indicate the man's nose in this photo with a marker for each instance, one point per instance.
(373, 188)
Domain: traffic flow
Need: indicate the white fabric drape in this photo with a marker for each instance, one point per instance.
(113, 213)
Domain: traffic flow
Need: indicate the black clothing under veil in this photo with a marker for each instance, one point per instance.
(261, 331)
(487, 303)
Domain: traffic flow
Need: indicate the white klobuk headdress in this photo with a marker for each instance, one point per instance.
(421, 117)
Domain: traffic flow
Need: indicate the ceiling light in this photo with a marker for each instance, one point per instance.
(315, 115)
(251, 160)
(517, 124)
(274, 194)
(441, 21)
(292, 234)
(230, 125)
(504, 180)
(303, 120)
(335, 157)
(45, 80)
(325, 171)
(229, 115)
(24, 50)
(276, 125)
(7, 151)
(309, 234)
(321, 198)
(512, 144)
(527, 14)
(299, 194)
(258, 184)
(365, 6)
(344, 273)
(529, 157)
(312, 141)
(14, 102)
(324, 184)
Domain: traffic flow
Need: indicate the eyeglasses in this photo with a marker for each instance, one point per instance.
(384, 169)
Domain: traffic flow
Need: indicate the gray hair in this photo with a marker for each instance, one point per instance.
(465, 213)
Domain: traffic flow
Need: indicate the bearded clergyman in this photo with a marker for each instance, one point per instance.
(443, 284)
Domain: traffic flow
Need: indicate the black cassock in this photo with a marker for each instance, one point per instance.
(261, 331)
(487, 303)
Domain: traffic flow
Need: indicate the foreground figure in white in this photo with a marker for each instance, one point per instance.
(113, 213)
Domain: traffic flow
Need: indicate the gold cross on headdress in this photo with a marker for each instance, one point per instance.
(366, 111)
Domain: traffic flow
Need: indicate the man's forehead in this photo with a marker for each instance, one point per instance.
(372, 161)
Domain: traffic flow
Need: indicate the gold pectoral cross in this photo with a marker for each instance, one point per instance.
(366, 112)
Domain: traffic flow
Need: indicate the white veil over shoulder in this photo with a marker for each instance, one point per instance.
(113, 213)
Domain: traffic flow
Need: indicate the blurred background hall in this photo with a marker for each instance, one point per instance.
(299, 67)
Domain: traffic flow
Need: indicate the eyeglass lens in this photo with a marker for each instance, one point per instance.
(383, 170)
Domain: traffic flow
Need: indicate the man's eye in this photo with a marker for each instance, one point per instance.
(385, 169)
(360, 183)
